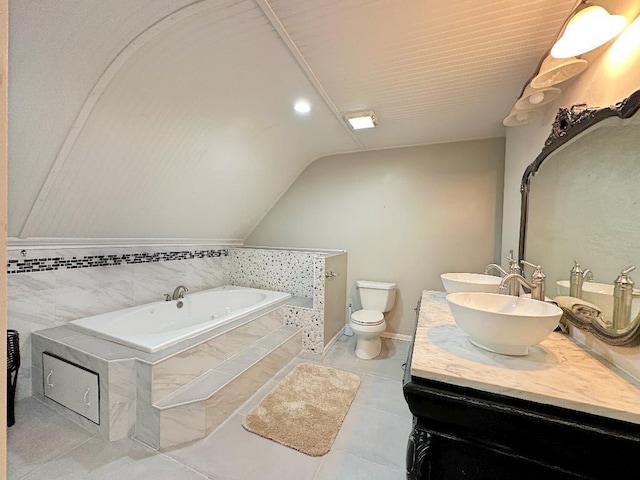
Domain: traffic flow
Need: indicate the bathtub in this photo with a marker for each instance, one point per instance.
(158, 325)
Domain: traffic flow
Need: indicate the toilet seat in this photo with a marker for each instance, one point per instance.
(368, 318)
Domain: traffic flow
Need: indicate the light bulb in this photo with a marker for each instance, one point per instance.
(586, 31)
(302, 106)
(536, 98)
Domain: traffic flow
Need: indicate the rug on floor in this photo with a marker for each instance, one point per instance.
(306, 409)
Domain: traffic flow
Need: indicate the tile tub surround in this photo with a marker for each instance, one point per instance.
(269, 269)
(558, 371)
(132, 382)
(298, 272)
(74, 288)
(48, 298)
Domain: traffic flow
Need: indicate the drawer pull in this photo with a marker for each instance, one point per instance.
(50, 384)
(84, 398)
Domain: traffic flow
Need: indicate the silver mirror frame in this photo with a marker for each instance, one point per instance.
(569, 123)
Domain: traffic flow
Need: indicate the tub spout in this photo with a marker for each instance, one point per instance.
(179, 292)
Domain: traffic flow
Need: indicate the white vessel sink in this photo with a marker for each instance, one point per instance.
(470, 282)
(600, 294)
(503, 323)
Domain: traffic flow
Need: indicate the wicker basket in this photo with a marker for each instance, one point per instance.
(13, 365)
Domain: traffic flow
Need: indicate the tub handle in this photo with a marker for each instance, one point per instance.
(84, 397)
(50, 384)
(331, 274)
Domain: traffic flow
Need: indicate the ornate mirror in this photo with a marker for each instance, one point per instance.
(581, 201)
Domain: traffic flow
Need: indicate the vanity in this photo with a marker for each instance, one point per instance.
(559, 412)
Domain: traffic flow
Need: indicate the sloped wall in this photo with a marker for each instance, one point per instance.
(180, 124)
(404, 215)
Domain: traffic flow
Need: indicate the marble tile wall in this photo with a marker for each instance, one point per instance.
(49, 298)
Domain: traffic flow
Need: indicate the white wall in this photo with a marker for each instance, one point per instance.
(404, 215)
(613, 74)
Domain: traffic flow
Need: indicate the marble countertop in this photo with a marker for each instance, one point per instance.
(558, 371)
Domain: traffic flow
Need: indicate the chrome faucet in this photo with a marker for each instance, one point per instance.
(179, 292)
(497, 268)
(576, 277)
(514, 268)
(537, 285)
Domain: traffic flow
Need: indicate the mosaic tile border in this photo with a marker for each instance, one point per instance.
(30, 265)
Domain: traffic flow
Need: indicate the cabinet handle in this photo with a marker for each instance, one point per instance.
(84, 398)
(50, 384)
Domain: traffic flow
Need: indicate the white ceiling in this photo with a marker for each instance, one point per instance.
(173, 118)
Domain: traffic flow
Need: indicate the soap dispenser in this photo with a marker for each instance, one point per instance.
(575, 280)
(622, 298)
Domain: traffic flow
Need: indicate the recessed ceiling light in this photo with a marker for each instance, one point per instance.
(302, 106)
(361, 120)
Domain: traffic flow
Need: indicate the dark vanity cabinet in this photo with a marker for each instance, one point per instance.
(463, 433)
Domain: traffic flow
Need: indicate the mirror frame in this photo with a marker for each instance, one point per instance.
(568, 124)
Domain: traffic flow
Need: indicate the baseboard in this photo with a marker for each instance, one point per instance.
(397, 336)
(333, 340)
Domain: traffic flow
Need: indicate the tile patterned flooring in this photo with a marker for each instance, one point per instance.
(370, 445)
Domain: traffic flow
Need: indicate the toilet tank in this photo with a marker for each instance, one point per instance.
(378, 296)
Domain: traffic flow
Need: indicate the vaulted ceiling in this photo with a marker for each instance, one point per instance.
(174, 119)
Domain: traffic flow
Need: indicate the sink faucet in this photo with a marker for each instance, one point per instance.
(496, 267)
(514, 268)
(576, 277)
(179, 292)
(537, 285)
(622, 298)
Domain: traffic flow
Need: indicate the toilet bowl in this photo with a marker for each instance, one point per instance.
(367, 324)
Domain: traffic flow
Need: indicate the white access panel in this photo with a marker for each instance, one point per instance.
(72, 386)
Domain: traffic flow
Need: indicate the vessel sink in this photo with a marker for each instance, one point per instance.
(470, 282)
(503, 323)
(600, 294)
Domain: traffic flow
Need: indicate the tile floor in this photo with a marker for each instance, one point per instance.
(370, 445)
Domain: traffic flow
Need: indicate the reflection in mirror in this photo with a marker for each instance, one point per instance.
(583, 204)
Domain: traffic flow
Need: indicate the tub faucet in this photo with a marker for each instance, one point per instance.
(179, 292)
(537, 285)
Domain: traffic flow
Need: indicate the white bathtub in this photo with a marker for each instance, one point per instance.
(158, 325)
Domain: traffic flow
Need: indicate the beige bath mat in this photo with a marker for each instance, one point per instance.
(306, 409)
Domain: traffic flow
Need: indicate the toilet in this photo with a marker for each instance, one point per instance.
(367, 324)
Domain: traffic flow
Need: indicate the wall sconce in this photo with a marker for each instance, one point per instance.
(557, 70)
(361, 120)
(589, 27)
